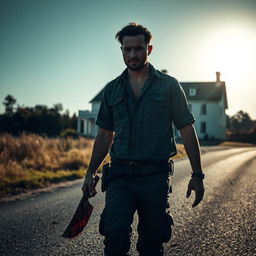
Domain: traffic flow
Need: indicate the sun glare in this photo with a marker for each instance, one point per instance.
(232, 52)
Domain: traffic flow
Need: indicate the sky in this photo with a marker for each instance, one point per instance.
(64, 51)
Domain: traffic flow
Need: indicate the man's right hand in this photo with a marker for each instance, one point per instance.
(197, 185)
(100, 150)
(89, 185)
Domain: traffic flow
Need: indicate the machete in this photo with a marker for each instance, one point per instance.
(81, 216)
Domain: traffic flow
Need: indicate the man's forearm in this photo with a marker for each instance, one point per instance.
(192, 147)
(100, 150)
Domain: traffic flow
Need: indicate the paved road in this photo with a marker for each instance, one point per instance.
(223, 224)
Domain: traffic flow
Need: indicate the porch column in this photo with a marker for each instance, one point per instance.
(78, 125)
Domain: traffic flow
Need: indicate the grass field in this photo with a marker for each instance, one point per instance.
(31, 161)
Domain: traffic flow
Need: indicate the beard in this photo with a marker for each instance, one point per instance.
(137, 65)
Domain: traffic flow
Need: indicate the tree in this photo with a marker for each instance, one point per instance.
(9, 103)
(39, 119)
(58, 107)
(241, 122)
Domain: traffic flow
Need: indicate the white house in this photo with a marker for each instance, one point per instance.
(207, 100)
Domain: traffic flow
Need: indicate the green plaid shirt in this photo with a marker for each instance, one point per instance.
(143, 128)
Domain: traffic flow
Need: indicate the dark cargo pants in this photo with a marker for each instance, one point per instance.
(146, 193)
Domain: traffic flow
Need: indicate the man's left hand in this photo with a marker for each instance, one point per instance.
(197, 185)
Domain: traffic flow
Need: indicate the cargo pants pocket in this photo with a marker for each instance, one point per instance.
(101, 224)
(105, 178)
(167, 228)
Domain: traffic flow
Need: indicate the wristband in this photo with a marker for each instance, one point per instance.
(198, 175)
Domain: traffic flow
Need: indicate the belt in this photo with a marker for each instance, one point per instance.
(132, 163)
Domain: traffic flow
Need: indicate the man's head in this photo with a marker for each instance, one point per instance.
(135, 41)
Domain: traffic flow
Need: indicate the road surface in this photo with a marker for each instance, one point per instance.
(223, 224)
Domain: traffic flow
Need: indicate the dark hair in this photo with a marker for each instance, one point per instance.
(133, 29)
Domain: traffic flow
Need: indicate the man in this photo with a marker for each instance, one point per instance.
(135, 118)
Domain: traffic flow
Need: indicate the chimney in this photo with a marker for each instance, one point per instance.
(217, 76)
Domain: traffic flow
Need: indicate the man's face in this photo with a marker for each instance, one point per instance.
(135, 52)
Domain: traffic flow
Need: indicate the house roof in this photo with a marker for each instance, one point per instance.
(205, 91)
(98, 97)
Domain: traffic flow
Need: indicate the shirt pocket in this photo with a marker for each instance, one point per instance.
(118, 104)
(158, 106)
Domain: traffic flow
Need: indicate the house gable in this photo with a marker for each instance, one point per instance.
(98, 96)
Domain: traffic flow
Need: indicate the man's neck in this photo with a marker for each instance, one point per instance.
(140, 75)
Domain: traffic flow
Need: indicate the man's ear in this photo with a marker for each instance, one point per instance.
(150, 48)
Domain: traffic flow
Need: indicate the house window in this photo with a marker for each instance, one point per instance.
(192, 91)
(203, 109)
(203, 127)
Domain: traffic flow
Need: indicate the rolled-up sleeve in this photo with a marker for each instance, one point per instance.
(180, 111)
(105, 116)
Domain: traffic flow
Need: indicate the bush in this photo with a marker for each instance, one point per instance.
(69, 133)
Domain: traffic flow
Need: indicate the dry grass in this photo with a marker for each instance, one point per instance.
(32, 161)
(180, 151)
(237, 144)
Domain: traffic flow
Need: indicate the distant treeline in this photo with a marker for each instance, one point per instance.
(249, 137)
(52, 122)
(39, 119)
(241, 128)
